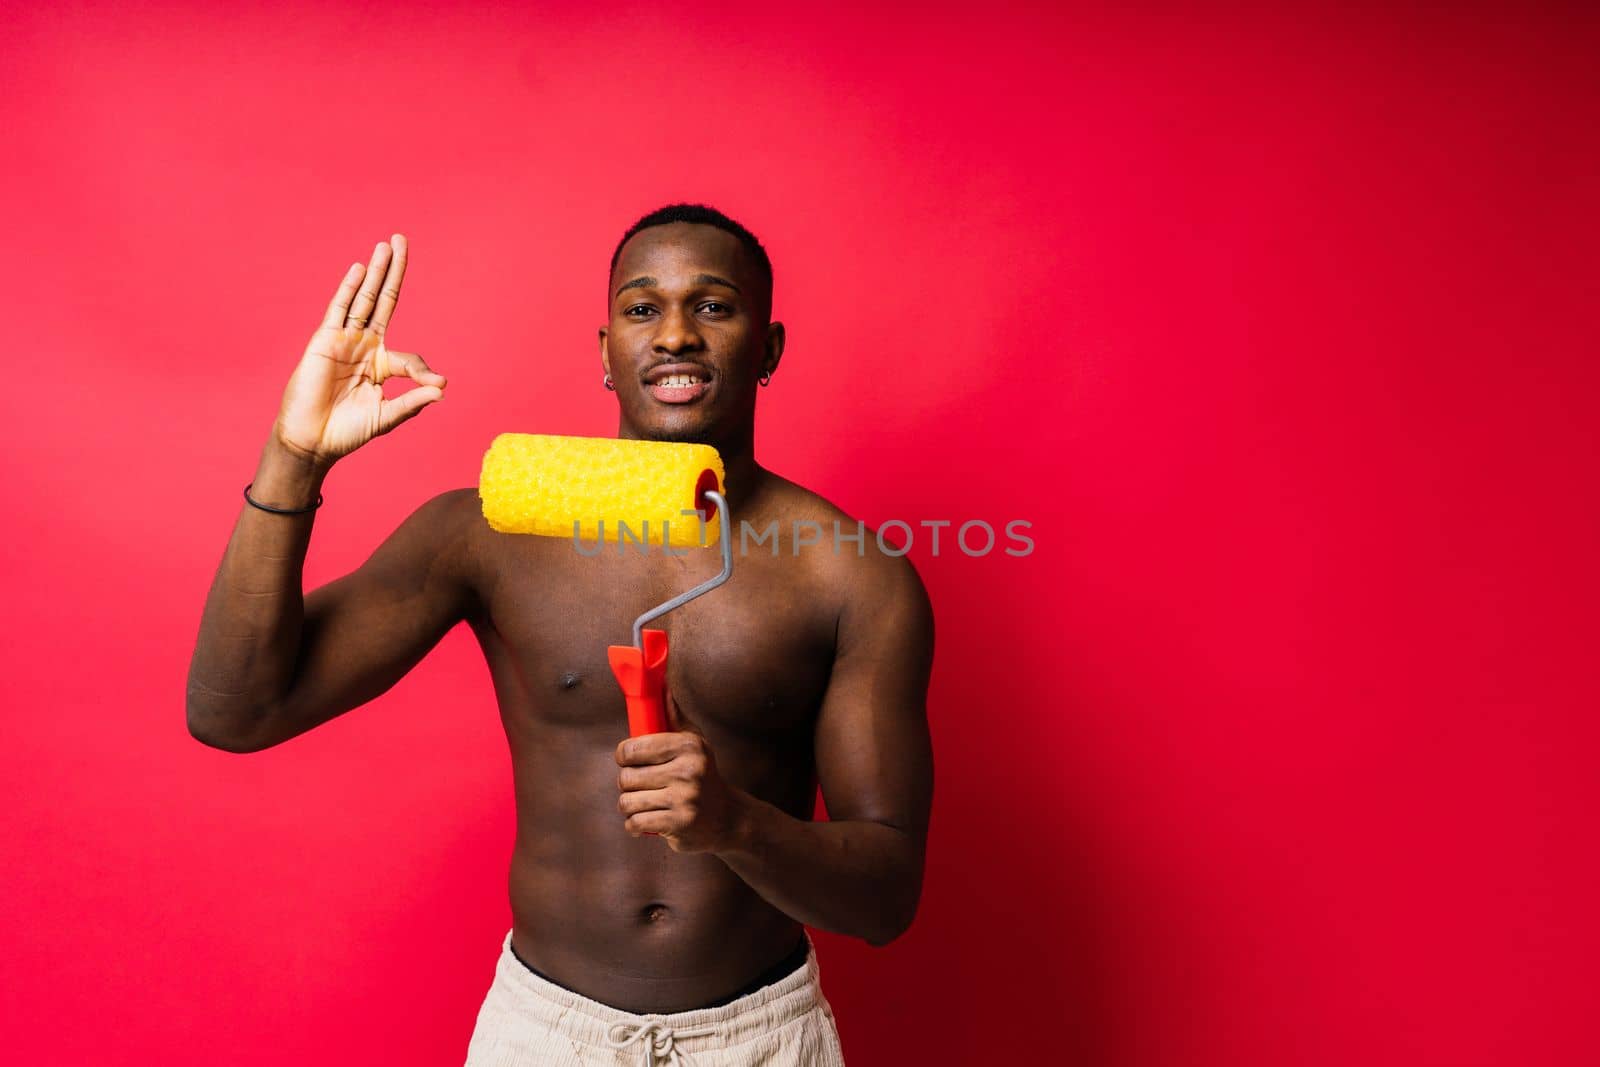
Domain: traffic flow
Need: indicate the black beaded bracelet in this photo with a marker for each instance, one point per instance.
(280, 511)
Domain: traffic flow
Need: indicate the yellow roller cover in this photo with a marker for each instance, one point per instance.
(543, 484)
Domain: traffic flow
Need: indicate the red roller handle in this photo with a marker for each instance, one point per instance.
(643, 678)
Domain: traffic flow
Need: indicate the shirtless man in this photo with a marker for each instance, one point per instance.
(658, 875)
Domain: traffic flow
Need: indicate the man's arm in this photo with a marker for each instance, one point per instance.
(861, 873)
(270, 664)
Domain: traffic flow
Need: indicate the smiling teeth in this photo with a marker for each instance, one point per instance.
(678, 381)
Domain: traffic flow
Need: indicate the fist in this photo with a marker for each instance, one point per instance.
(670, 786)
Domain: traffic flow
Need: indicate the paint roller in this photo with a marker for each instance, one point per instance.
(603, 489)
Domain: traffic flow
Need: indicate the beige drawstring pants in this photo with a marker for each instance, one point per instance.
(527, 1021)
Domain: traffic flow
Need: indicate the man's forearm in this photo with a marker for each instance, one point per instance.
(249, 631)
(849, 877)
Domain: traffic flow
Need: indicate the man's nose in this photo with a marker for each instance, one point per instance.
(677, 333)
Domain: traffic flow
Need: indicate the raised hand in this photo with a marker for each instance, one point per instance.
(334, 401)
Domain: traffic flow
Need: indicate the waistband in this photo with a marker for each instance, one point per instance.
(580, 1018)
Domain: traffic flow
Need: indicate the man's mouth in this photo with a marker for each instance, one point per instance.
(678, 383)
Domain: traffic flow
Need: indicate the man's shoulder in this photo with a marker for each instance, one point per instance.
(445, 528)
(461, 502)
(863, 563)
(452, 513)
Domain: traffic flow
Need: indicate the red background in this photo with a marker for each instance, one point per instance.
(1279, 328)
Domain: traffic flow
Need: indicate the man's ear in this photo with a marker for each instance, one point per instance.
(605, 357)
(776, 336)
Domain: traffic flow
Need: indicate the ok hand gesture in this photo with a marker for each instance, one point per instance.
(334, 401)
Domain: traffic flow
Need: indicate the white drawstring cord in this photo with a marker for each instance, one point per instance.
(658, 1040)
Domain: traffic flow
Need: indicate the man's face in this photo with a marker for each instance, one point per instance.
(687, 335)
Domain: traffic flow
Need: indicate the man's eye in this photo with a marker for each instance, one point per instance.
(636, 310)
(715, 307)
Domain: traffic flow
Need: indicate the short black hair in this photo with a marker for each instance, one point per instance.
(705, 216)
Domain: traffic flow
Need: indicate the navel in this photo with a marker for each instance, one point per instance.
(652, 913)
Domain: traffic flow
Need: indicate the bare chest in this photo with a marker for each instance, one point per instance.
(748, 661)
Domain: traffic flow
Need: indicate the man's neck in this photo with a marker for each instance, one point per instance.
(743, 479)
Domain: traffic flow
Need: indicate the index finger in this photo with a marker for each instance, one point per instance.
(339, 307)
(648, 749)
(390, 294)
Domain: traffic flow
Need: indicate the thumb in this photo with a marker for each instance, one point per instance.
(395, 410)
